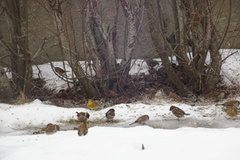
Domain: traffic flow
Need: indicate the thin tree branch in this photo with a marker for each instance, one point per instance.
(229, 56)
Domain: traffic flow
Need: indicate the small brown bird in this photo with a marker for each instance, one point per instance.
(82, 116)
(178, 112)
(60, 71)
(112, 94)
(141, 120)
(51, 129)
(152, 63)
(217, 95)
(232, 111)
(110, 114)
(230, 103)
(83, 129)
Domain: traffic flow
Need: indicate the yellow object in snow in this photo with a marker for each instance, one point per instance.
(232, 112)
(91, 104)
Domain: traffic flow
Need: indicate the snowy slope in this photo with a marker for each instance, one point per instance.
(125, 143)
(108, 142)
(37, 114)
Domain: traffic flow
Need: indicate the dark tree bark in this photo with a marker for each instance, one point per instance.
(20, 56)
(103, 38)
(157, 30)
(61, 26)
(194, 33)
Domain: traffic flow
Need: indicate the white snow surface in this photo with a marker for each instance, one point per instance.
(118, 142)
(126, 143)
(207, 133)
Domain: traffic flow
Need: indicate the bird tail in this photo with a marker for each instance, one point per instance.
(131, 124)
(187, 114)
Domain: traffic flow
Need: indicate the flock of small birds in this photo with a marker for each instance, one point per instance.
(230, 107)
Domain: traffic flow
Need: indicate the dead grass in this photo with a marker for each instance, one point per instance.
(90, 122)
(70, 121)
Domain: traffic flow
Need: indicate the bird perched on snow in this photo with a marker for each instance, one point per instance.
(60, 71)
(92, 105)
(51, 128)
(82, 116)
(178, 112)
(110, 114)
(232, 103)
(217, 95)
(83, 129)
(232, 111)
(141, 120)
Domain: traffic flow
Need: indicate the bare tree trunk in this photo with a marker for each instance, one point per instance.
(194, 37)
(66, 50)
(103, 39)
(159, 37)
(20, 56)
(213, 75)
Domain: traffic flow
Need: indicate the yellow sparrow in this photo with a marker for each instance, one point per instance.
(232, 111)
(91, 104)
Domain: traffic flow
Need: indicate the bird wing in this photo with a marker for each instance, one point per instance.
(179, 111)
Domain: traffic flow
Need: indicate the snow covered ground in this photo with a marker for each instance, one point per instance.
(207, 133)
(126, 143)
(119, 140)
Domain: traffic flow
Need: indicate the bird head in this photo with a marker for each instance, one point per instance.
(87, 115)
(172, 107)
(112, 110)
(90, 100)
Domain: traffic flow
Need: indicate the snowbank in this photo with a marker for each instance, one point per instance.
(125, 143)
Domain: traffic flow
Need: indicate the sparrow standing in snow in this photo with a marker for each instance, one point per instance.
(83, 129)
(141, 120)
(82, 116)
(110, 114)
(178, 112)
(232, 103)
(51, 128)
